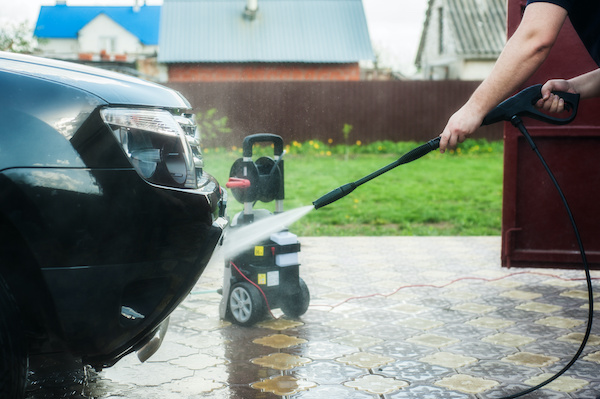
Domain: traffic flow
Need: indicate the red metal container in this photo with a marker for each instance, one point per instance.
(536, 231)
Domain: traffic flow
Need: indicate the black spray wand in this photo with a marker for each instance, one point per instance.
(521, 104)
(346, 189)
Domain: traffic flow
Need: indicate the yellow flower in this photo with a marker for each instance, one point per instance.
(330, 141)
(316, 146)
(234, 148)
(358, 142)
(311, 142)
(328, 153)
(356, 200)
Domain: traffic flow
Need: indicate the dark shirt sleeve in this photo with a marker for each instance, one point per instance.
(566, 4)
(585, 17)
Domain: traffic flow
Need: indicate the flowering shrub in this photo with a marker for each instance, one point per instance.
(330, 148)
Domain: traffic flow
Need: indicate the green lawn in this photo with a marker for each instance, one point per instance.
(448, 194)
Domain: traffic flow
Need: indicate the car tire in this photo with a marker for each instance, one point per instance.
(245, 304)
(296, 305)
(13, 351)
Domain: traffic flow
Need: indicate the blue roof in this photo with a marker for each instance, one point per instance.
(64, 22)
(310, 31)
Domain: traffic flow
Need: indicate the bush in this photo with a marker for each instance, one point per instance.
(330, 148)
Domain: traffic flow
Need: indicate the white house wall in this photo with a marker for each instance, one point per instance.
(447, 64)
(102, 33)
(476, 70)
(59, 47)
(438, 65)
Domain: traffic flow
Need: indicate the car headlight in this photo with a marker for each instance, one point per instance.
(189, 127)
(155, 145)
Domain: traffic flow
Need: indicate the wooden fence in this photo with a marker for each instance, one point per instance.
(377, 110)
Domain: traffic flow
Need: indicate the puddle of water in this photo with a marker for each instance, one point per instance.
(59, 378)
(56, 377)
(240, 239)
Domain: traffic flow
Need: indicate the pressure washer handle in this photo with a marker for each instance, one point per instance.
(252, 139)
(523, 104)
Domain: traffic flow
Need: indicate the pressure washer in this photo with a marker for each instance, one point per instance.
(511, 110)
(265, 275)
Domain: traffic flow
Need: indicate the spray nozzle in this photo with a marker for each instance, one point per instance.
(334, 195)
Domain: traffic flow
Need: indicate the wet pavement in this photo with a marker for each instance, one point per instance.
(390, 317)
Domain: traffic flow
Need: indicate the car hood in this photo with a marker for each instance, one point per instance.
(112, 87)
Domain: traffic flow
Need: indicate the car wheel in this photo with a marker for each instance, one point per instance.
(245, 304)
(296, 305)
(13, 352)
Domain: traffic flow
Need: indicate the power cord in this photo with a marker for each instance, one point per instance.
(257, 286)
(438, 286)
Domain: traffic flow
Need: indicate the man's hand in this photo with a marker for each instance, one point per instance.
(551, 102)
(460, 125)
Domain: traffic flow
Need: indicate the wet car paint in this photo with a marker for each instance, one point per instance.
(95, 256)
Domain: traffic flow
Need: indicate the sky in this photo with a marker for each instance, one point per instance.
(394, 25)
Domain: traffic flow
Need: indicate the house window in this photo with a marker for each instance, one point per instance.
(440, 30)
(108, 44)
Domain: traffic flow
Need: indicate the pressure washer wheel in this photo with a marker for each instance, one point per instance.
(295, 306)
(245, 304)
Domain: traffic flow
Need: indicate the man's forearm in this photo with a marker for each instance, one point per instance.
(588, 84)
(524, 52)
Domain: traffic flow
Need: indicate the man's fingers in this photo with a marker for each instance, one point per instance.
(453, 142)
(553, 104)
(443, 142)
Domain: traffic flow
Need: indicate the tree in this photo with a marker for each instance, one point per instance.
(17, 38)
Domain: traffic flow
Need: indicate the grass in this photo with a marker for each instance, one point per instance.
(450, 194)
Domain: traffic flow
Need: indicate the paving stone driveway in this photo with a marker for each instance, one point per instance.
(390, 317)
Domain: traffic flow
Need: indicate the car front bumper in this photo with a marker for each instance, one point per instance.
(116, 255)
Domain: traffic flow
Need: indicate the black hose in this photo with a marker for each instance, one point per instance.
(505, 112)
(518, 123)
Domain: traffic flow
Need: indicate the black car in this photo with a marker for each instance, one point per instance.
(107, 218)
